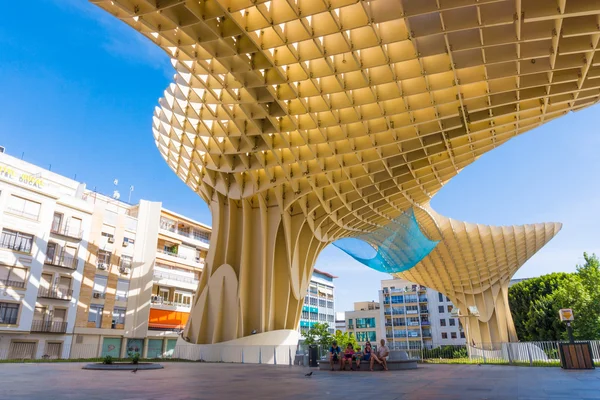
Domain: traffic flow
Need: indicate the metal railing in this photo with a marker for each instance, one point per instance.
(175, 277)
(171, 253)
(55, 293)
(64, 230)
(62, 260)
(170, 303)
(48, 326)
(11, 283)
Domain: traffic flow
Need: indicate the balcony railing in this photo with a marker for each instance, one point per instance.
(63, 260)
(170, 303)
(175, 277)
(187, 232)
(55, 293)
(65, 230)
(424, 311)
(48, 326)
(171, 253)
(23, 213)
(8, 282)
(350, 326)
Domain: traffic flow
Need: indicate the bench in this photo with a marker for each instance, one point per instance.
(397, 360)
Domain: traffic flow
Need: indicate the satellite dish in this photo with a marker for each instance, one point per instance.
(116, 195)
(455, 313)
(116, 182)
(474, 311)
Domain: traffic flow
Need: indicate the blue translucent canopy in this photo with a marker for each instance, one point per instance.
(396, 247)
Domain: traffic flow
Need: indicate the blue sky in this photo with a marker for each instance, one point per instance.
(77, 92)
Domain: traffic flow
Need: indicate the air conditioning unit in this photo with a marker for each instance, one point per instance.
(111, 240)
(125, 243)
(124, 270)
(97, 295)
(102, 266)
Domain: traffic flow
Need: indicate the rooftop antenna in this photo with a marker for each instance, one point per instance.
(130, 190)
(116, 195)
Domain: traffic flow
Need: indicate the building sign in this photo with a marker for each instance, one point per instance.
(24, 178)
(566, 314)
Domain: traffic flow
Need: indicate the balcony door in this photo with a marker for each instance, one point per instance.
(57, 222)
(59, 317)
(75, 226)
(46, 281)
(40, 314)
(64, 284)
(51, 251)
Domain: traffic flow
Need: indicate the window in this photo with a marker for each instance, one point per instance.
(462, 335)
(164, 293)
(9, 313)
(441, 297)
(322, 303)
(56, 222)
(126, 262)
(118, 317)
(182, 299)
(365, 322)
(330, 318)
(453, 335)
(442, 322)
(103, 258)
(370, 336)
(122, 289)
(450, 308)
(108, 235)
(100, 282)
(441, 309)
(95, 314)
(128, 241)
(13, 276)
(23, 207)
(322, 317)
(52, 250)
(330, 304)
(304, 314)
(16, 241)
(447, 299)
(314, 315)
(350, 324)
(201, 236)
(305, 299)
(444, 335)
(452, 322)
(313, 301)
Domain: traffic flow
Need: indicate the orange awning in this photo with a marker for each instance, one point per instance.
(167, 319)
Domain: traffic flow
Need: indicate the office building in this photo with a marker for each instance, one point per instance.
(319, 303)
(364, 322)
(415, 316)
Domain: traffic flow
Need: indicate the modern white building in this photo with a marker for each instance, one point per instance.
(319, 302)
(44, 224)
(364, 322)
(414, 316)
(340, 321)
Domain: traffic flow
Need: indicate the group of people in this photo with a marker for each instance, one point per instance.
(350, 356)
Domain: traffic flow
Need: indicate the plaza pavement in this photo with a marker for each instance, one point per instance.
(65, 381)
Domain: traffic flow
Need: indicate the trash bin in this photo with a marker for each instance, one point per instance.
(313, 356)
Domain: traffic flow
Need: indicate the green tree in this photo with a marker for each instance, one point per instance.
(343, 339)
(535, 303)
(531, 300)
(318, 334)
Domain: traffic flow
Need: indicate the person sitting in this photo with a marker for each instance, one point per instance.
(381, 357)
(357, 357)
(366, 354)
(334, 355)
(348, 357)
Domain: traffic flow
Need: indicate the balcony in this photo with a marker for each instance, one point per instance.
(187, 231)
(171, 253)
(55, 293)
(160, 303)
(48, 326)
(175, 278)
(425, 323)
(63, 260)
(350, 326)
(424, 311)
(14, 284)
(66, 231)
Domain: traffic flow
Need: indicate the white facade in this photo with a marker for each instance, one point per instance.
(413, 316)
(319, 302)
(44, 222)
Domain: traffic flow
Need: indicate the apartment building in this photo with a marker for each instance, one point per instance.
(86, 275)
(319, 302)
(144, 267)
(415, 316)
(363, 322)
(44, 224)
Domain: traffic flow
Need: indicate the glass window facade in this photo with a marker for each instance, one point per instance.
(365, 323)
(370, 336)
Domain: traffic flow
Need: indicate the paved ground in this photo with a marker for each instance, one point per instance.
(67, 381)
